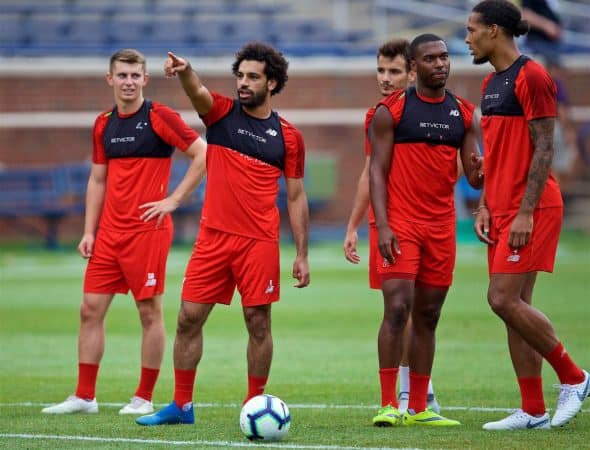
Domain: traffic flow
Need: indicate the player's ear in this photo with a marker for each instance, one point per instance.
(109, 78)
(146, 78)
(271, 84)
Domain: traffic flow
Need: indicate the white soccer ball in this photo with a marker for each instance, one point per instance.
(266, 418)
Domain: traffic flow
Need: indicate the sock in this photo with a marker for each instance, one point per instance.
(147, 382)
(418, 391)
(404, 379)
(184, 383)
(256, 386)
(567, 371)
(430, 387)
(531, 393)
(87, 374)
(388, 380)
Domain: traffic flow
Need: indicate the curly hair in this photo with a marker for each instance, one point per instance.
(504, 14)
(275, 64)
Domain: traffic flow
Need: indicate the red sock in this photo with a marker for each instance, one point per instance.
(87, 374)
(256, 386)
(388, 380)
(147, 382)
(567, 371)
(418, 391)
(184, 384)
(531, 393)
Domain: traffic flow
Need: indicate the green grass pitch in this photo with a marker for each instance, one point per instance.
(325, 363)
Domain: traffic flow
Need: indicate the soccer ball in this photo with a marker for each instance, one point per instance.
(265, 417)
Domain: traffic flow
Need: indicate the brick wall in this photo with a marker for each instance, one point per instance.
(27, 146)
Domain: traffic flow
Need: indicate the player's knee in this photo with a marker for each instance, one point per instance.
(89, 312)
(258, 325)
(498, 301)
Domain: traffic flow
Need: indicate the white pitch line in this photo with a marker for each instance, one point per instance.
(224, 444)
(291, 406)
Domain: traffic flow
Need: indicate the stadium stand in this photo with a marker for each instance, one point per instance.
(51, 193)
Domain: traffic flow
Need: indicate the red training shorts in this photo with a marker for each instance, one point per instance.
(537, 255)
(221, 261)
(427, 254)
(129, 261)
(374, 278)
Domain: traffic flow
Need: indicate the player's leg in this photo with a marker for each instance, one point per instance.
(397, 287)
(403, 395)
(257, 273)
(102, 280)
(428, 302)
(144, 263)
(397, 304)
(153, 342)
(91, 343)
(432, 284)
(527, 365)
(260, 348)
(207, 281)
(512, 280)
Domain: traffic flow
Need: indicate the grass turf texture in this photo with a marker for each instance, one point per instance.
(325, 363)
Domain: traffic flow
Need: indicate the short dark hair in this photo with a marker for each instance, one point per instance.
(396, 47)
(128, 55)
(504, 14)
(275, 67)
(422, 39)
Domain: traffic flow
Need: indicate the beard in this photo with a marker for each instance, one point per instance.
(481, 60)
(255, 100)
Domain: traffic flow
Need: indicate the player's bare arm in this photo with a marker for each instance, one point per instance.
(299, 218)
(359, 209)
(197, 151)
(541, 132)
(95, 193)
(471, 158)
(381, 139)
(196, 91)
(481, 224)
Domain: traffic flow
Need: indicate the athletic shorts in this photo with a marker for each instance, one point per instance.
(374, 278)
(537, 255)
(129, 261)
(221, 261)
(427, 254)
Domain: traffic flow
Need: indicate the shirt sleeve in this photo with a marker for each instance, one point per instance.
(467, 109)
(294, 152)
(168, 124)
(98, 154)
(222, 105)
(536, 92)
(368, 118)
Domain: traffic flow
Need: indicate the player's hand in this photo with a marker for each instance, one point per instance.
(350, 241)
(481, 226)
(301, 271)
(158, 209)
(174, 64)
(86, 245)
(477, 161)
(388, 243)
(520, 230)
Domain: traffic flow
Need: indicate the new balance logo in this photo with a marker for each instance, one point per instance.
(270, 288)
(141, 125)
(515, 257)
(454, 113)
(151, 280)
(271, 132)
